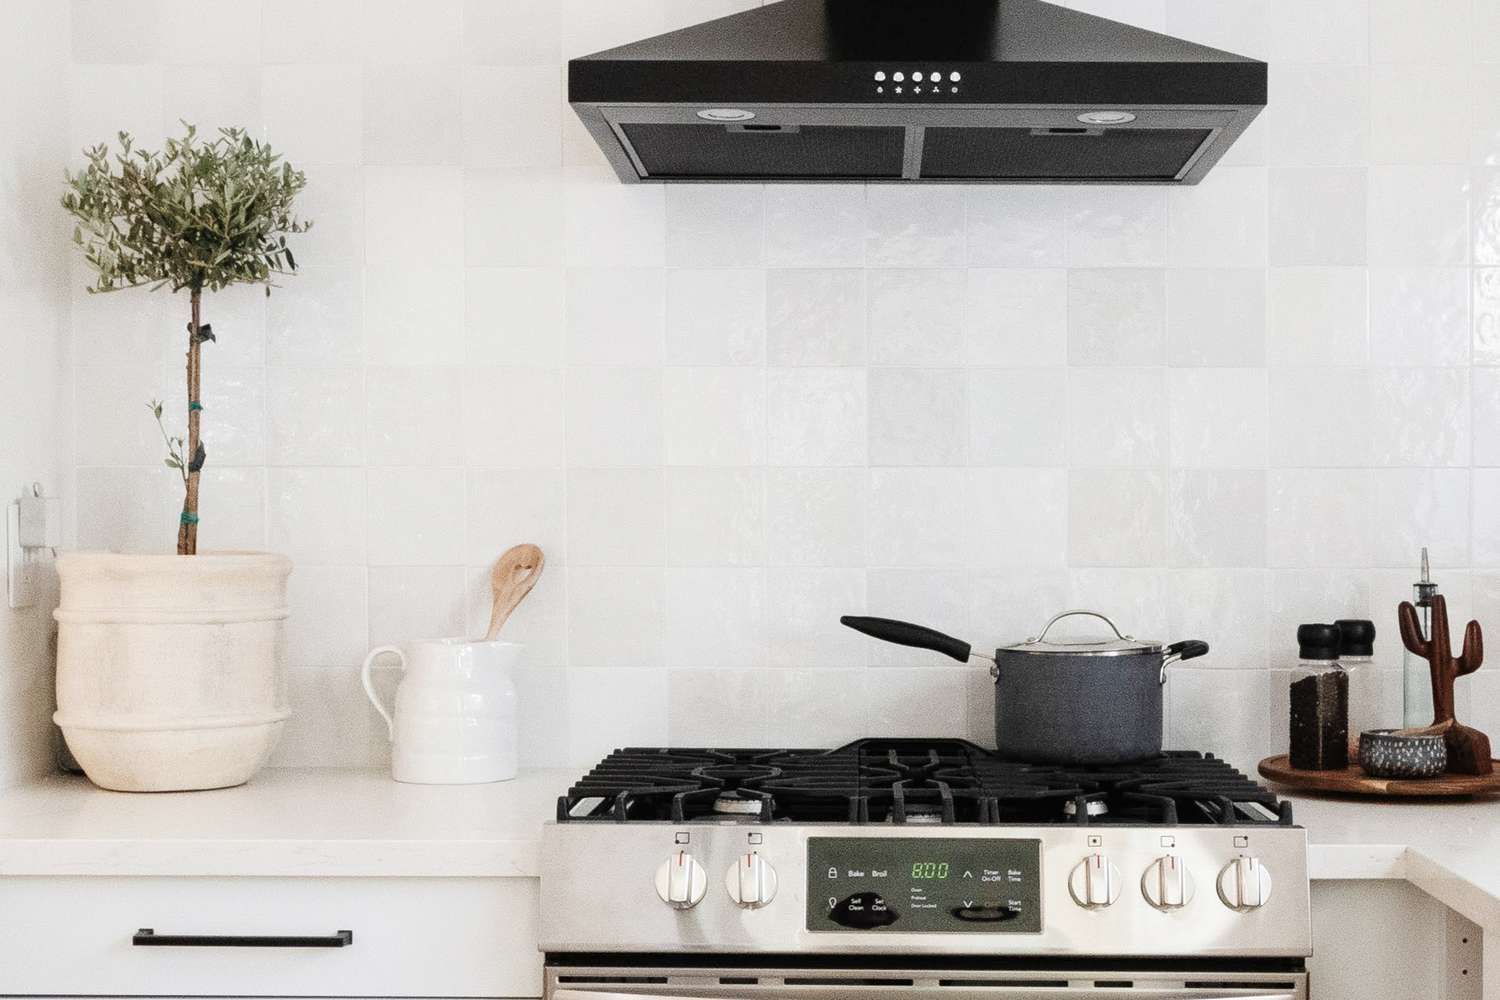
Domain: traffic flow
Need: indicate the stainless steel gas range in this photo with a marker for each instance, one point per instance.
(928, 868)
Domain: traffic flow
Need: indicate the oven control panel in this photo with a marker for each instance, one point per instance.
(927, 884)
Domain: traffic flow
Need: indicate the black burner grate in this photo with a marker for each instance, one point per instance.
(913, 782)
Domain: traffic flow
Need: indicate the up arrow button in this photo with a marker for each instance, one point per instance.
(968, 874)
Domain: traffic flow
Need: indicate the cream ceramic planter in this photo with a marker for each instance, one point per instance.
(169, 668)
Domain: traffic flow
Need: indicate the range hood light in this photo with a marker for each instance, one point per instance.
(727, 115)
(1106, 117)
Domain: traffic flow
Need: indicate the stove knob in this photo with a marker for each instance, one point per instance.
(751, 881)
(1095, 882)
(1244, 884)
(681, 881)
(1167, 883)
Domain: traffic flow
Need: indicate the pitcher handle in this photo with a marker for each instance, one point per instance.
(364, 674)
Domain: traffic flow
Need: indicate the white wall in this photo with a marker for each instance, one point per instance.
(33, 335)
(732, 413)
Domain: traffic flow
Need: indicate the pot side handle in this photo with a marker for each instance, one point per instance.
(1187, 649)
(907, 634)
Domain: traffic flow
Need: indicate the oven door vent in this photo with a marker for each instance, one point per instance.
(849, 981)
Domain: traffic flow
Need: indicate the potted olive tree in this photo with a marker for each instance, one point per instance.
(169, 666)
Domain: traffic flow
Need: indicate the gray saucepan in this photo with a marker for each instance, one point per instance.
(1064, 701)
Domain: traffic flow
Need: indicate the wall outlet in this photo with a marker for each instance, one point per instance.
(39, 521)
(33, 531)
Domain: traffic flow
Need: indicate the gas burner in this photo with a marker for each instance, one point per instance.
(1091, 808)
(733, 805)
(916, 782)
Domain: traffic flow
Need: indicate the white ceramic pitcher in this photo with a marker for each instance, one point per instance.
(454, 721)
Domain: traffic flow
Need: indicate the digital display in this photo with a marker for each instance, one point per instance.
(924, 885)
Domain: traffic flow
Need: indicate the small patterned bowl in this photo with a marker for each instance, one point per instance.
(1387, 753)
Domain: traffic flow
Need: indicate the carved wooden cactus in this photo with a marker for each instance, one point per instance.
(1468, 749)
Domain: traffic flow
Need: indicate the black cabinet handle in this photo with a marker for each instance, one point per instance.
(146, 937)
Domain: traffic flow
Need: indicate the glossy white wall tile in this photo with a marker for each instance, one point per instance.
(732, 413)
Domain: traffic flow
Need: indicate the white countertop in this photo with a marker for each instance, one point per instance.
(286, 821)
(1450, 849)
(331, 822)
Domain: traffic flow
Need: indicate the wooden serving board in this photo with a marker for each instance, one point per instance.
(1353, 780)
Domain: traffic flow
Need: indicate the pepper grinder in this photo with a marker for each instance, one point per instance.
(1416, 686)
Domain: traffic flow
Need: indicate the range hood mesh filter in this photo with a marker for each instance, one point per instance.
(1028, 154)
(709, 151)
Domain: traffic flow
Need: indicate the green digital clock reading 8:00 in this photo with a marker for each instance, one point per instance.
(929, 869)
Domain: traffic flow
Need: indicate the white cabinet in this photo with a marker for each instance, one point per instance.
(427, 937)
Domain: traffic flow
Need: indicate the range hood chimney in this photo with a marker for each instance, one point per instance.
(1007, 91)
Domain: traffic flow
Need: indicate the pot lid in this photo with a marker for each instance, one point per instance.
(1117, 645)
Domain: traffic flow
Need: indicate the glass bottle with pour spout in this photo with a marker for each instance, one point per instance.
(1416, 684)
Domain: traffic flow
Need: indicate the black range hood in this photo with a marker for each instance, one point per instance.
(1010, 91)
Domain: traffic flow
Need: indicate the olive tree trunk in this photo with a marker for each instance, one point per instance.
(187, 530)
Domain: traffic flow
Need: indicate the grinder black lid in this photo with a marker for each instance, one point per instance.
(1318, 642)
(1356, 637)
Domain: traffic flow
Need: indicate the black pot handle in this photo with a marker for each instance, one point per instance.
(1187, 649)
(907, 634)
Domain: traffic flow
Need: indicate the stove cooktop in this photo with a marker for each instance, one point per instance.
(913, 781)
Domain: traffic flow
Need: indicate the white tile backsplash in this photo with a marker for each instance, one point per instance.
(1016, 318)
(816, 225)
(816, 517)
(316, 515)
(916, 317)
(1108, 426)
(1022, 226)
(1419, 215)
(716, 517)
(1217, 417)
(1110, 226)
(815, 316)
(1216, 317)
(732, 413)
(918, 416)
(709, 226)
(915, 226)
(714, 416)
(315, 111)
(512, 116)
(615, 316)
(315, 416)
(716, 316)
(1017, 517)
(1117, 316)
(816, 416)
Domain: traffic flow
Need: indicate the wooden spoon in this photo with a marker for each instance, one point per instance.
(514, 575)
